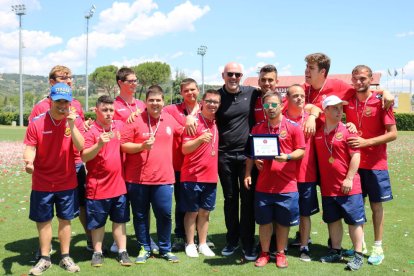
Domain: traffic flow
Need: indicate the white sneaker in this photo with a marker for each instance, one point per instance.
(191, 251)
(114, 248)
(205, 250)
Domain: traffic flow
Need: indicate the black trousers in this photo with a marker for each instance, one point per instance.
(240, 222)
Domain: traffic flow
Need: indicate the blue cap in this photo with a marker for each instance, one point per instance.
(61, 91)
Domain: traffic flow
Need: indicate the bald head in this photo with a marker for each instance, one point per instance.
(232, 75)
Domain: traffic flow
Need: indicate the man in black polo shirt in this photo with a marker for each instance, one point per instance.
(235, 118)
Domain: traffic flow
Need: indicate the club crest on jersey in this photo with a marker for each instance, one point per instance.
(67, 131)
(168, 130)
(339, 136)
(368, 112)
(283, 134)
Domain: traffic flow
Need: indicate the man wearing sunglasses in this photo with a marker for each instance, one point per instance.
(234, 120)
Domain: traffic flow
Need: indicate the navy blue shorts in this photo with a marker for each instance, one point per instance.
(97, 211)
(81, 175)
(350, 208)
(376, 185)
(308, 199)
(196, 195)
(280, 208)
(42, 203)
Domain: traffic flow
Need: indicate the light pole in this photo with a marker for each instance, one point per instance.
(20, 10)
(88, 15)
(202, 51)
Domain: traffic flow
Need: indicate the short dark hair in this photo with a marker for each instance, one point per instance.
(122, 74)
(292, 86)
(272, 94)
(187, 81)
(104, 99)
(362, 67)
(269, 68)
(156, 90)
(211, 91)
(323, 61)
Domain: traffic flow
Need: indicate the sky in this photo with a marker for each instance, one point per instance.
(377, 33)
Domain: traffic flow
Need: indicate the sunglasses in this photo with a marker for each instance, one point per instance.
(231, 74)
(131, 81)
(271, 105)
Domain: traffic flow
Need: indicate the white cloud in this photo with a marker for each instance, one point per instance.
(136, 61)
(177, 55)
(285, 70)
(410, 33)
(267, 54)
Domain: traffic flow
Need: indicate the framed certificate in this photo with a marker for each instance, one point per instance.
(264, 146)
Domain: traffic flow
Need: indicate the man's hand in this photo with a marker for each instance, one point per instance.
(247, 182)
(71, 117)
(29, 168)
(259, 164)
(147, 144)
(206, 137)
(346, 186)
(309, 128)
(190, 125)
(87, 124)
(132, 116)
(351, 128)
(357, 142)
(283, 157)
(104, 138)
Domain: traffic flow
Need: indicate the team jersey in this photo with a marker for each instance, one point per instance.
(202, 164)
(124, 109)
(332, 87)
(306, 168)
(259, 113)
(370, 119)
(104, 179)
(333, 170)
(54, 164)
(151, 167)
(179, 113)
(280, 177)
(44, 105)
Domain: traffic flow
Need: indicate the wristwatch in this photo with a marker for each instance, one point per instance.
(288, 158)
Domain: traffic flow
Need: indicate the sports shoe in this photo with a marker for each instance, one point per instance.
(41, 266)
(142, 256)
(297, 242)
(123, 259)
(206, 250)
(114, 248)
(355, 263)
(210, 243)
(377, 256)
(351, 252)
(178, 245)
(250, 254)
(262, 260)
(281, 260)
(155, 250)
(305, 255)
(332, 257)
(89, 246)
(171, 257)
(69, 265)
(229, 250)
(38, 254)
(191, 251)
(97, 259)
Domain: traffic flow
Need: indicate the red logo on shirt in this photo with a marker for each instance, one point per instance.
(368, 112)
(67, 132)
(283, 134)
(339, 136)
(264, 141)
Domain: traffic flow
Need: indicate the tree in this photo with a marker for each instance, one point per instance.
(104, 77)
(179, 77)
(151, 73)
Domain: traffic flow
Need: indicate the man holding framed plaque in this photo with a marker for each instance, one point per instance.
(276, 194)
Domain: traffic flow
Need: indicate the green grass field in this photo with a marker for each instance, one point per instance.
(18, 240)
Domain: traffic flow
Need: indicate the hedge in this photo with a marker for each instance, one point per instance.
(405, 121)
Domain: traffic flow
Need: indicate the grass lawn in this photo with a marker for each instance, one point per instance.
(18, 240)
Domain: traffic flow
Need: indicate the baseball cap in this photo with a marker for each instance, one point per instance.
(61, 91)
(332, 100)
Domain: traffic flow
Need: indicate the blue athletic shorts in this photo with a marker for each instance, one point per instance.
(308, 199)
(281, 208)
(42, 205)
(350, 208)
(97, 211)
(376, 185)
(81, 175)
(196, 195)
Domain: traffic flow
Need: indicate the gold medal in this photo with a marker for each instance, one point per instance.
(213, 153)
(152, 138)
(110, 134)
(331, 160)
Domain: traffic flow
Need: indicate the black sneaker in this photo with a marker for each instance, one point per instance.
(305, 255)
(210, 242)
(296, 242)
(355, 263)
(97, 259)
(178, 245)
(250, 254)
(332, 257)
(123, 259)
(229, 250)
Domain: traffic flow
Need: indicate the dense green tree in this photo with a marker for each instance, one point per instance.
(104, 77)
(151, 73)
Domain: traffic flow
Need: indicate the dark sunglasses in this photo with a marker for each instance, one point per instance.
(267, 106)
(231, 74)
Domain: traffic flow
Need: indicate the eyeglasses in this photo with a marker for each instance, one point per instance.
(131, 81)
(212, 102)
(63, 77)
(272, 105)
(231, 74)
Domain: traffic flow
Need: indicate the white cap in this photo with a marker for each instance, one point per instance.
(332, 100)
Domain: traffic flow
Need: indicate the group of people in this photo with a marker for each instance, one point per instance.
(137, 154)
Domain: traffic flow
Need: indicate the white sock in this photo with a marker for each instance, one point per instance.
(378, 243)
